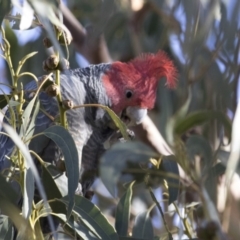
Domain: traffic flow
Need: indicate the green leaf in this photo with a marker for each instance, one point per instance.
(67, 145)
(92, 217)
(15, 49)
(22, 225)
(13, 103)
(28, 192)
(179, 115)
(31, 127)
(123, 212)
(28, 162)
(7, 192)
(4, 101)
(26, 117)
(169, 165)
(5, 7)
(198, 145)
(212, 180)
(143, 226)
(199, 117)
(74, 228)
(115, 160)
(49, 184)
(23, 60)
(118, 122)
(6, 228)
(120, 125)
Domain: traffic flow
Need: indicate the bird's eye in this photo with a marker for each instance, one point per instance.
(129, 94)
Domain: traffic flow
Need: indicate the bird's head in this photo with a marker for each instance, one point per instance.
(132, 86)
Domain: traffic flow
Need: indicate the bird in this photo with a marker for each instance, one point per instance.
(127, 88)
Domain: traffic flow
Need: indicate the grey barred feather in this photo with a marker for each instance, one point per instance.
(88, 126)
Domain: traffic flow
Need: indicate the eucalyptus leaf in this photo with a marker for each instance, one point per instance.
(200, 117)
(28, 192)
(7, 192)
(29, 163)
(23, 60)
(49, 184)
(5, 7)
(120, 125)
(123, 212)
(169, 165)
(67, 145)
(26, 117)
(143, 226)
(22, 225)
(198, 145)
(178, 116)
(3, 101)
(116, 159)
(80, 230)
(92, 218)
(31, 126)
(15, 49)
(118, 122)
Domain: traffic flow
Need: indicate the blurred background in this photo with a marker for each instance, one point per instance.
(202, 37)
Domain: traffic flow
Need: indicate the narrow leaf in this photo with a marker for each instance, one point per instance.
(143, 226)
(123, 212)
(13, 103)
(31, 127)
(118, 122)
(28, 192)
(5, 7)
(29, 163)
(75, 228)
(181, 113)
(169, 165)
(199, 117)
(67, 145)
(116, 159)
(7, 192)
(23, 60)
(49, 184)
(120, 125)
(26, 117)
(22, 225)
(92, 217)
(3, 101)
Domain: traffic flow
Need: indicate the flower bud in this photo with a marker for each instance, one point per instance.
(63, 64)
(52, 62)
(68, 104)
(52, 90)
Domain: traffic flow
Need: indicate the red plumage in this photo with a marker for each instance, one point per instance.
(140, 76)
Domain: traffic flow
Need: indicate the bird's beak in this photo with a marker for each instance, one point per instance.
(133, 115)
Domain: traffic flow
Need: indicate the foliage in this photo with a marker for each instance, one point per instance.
(202, 37)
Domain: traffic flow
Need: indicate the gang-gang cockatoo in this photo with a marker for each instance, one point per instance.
(129, 89)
